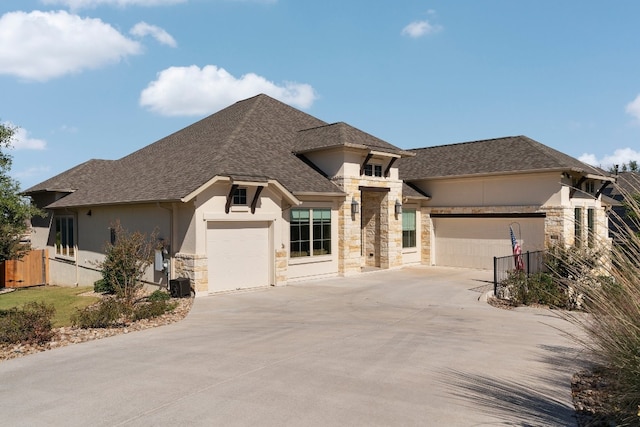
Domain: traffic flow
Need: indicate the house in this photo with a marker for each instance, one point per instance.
(262, 194)
(479, 189)
(620, 223)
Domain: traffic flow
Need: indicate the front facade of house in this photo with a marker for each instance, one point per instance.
(266, 195)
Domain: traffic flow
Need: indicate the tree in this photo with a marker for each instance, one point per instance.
(15, 210)
(126, 262)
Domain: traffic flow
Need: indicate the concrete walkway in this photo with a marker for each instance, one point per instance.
(407, 347)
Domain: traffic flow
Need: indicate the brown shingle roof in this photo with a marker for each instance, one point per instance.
(513, 154)
(71, 180)
(254, 137)
(341, 135)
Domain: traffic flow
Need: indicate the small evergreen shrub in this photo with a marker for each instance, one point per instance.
(102, 286)
(540, 288)
(152, 309)
(106, 313)
(30, 324)
(159, 295)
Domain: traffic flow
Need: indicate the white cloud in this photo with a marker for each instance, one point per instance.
(420, 28)
(142, 29)
(31, 172)
(193, 91)
(619, 157)
(633, 108)
(22, 141)
(44, 45)
(89, 4)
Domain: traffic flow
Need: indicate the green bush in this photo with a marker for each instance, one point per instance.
(102, 286)
(108, 312)
(159, 295)
(31, 324)
(152, 309)
(540, 288)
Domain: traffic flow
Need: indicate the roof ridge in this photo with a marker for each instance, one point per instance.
(326, 125)
(466, 142)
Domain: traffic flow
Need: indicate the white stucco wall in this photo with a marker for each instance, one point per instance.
(92, 233)
(540, 189)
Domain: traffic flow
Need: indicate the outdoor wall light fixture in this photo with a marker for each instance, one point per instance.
(355, 207)
(398, 207)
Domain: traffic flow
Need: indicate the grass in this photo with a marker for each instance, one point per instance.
(612, 299)
(65, 300)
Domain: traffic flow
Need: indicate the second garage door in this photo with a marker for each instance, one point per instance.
(473, 242)
(238, 255)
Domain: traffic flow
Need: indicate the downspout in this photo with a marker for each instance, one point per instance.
(172, 232)
(174, 236)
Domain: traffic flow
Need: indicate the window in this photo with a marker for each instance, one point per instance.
(590, 187)
(577, 227)
(373, 170)
(591, 227)
(409, 228)
(65, 244)
(310, 232)
(240, 196)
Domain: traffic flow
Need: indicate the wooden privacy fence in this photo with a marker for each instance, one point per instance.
(30, 270)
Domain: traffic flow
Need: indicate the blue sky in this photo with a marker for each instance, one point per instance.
(89, 79)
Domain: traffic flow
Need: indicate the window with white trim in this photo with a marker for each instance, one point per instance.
(590, 187)
(577, 227)
(65, 240)
(373, 170)
(591, 227)
(408, 228)
(240, 197)
(310, 232)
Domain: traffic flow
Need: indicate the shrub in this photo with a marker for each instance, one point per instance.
(159, 295)
(31, 324)
(613, 324)
(540, 288)
(126, 262)
(152, 309)
(106, 313)
(102, 286)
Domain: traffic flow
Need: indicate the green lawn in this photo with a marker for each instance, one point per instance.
(65, 300)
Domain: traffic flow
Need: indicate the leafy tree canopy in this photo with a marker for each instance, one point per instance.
(15, 210)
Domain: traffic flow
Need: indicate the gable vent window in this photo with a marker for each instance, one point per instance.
(240, 197)
(373, 170)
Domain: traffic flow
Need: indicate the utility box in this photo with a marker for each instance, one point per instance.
(180, 287)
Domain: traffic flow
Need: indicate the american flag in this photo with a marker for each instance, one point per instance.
(517, 252)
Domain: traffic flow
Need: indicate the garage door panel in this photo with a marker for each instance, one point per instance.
(473, 242)
(238, 255)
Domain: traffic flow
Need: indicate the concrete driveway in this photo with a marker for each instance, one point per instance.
(404, 347)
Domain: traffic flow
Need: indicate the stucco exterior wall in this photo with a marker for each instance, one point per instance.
(540, 189)
(92, 233)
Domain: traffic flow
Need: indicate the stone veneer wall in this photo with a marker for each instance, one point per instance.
(425, 236)
(349, 246)
(282, 264)
(555, 226)
(372, 224)
(195, 267)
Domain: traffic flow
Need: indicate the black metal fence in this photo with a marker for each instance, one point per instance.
(532, 263)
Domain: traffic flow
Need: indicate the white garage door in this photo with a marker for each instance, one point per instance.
(473, 242)
(238, 255)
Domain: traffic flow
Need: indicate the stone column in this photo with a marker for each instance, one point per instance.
(195, 267)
